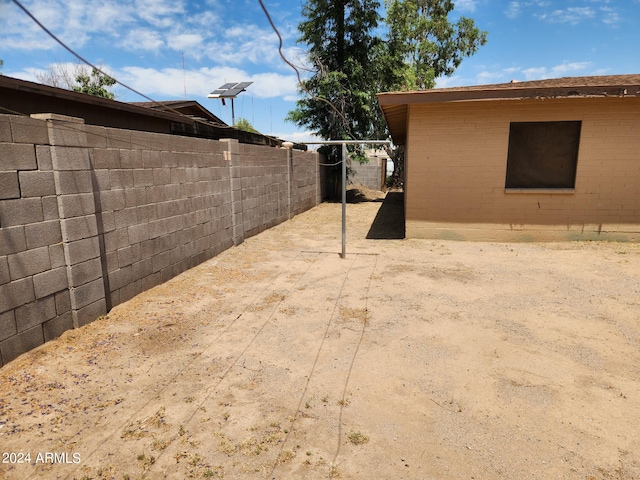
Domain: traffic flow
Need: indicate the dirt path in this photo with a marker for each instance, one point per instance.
(406, 360)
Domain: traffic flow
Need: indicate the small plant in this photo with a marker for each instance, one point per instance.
(146, 461)
(285, 456)
(179, 455)
(334, 472)
(227, 447)
(195, 459)
(188, 400)
(160, 444)
(357, 438)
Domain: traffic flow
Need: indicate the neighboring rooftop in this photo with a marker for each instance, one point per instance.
(394, 104)
(191, 108)
(178, 117)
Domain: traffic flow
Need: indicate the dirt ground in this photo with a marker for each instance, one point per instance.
(408, 359)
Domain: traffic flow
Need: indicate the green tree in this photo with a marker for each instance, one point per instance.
(1, 64)
(425, 44)
(343, 52)
(95, 84)
(353, 58)
(243, 124)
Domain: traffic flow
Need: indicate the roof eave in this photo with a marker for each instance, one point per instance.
(39, 89)
(444, 95)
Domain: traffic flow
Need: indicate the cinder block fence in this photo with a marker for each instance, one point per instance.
(91, 216)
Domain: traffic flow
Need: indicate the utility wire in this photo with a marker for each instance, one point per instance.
(85, 61)
(167, 107)
(300, 82)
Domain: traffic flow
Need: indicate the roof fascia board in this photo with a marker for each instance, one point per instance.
(439, 96)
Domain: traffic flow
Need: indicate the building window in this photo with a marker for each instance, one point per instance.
(543, 154)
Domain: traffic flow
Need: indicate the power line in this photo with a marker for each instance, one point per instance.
(85, 61)
(167, 107)
(300, 82)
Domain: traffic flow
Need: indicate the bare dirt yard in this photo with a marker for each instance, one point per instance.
(408, 359)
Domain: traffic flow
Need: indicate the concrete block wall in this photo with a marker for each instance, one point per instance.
(92, 216)
(264, 187)
(370, 174)
(35, 300)
(307, 181)
(163, 206)
(456, 168)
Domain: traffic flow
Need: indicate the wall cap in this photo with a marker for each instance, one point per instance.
(56, 116)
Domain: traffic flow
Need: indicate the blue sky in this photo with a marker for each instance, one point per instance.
(143, 43)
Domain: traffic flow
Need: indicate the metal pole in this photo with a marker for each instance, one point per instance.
(233, 114)
(344, 177)
(344, 200)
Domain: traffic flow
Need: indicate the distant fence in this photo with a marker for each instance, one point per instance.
(372, 174)
(91, 216)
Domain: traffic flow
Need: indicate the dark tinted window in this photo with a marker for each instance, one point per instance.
(543, 154)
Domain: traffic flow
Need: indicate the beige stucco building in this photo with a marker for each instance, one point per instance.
(523, 161)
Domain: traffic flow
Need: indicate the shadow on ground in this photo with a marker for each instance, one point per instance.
(356, 195)
(389, 222)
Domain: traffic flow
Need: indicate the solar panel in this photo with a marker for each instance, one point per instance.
(229, 90)
(232, 92)
(222, 89)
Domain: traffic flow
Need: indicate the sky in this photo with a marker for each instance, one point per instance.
(177, 49)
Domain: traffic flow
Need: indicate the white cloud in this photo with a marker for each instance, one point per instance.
(496, 74)
(610, 16)
(58, 74)
(248, 44)
(299, 137)
(49, 12)
(205, 19)
(160, 13)
(170, 82)
(454, 81)
(562, 70)
(76, 22)
(29, 43)
(466, 5)
(185, 41)
(29, 74)
(513, 10)
(142, 39)
(267, 85)
(570, 15)
(195, 28)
